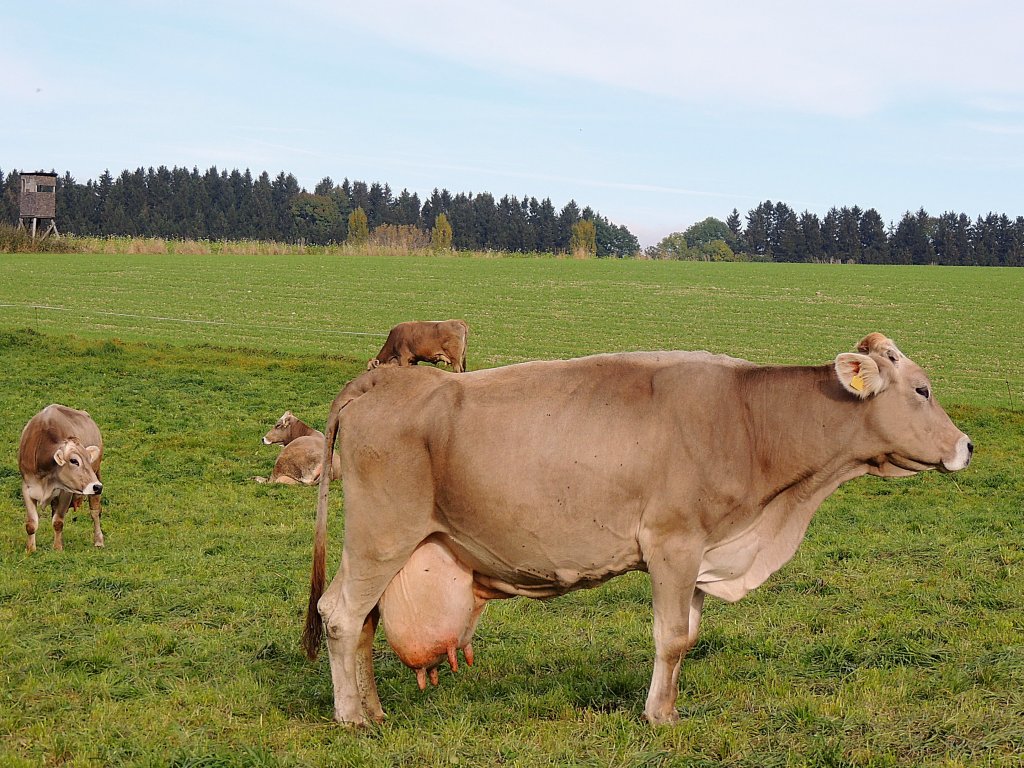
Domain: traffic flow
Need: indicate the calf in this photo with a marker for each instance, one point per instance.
(59, 459)
(438, 341)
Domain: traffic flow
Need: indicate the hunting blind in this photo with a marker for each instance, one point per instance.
(38, 202)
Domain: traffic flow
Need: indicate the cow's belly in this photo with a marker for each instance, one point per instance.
(535, 566)
(543, 517)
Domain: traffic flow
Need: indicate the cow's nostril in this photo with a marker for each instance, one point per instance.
(98, 487)
(970, 448)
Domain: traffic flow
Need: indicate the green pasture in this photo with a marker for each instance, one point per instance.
(895, 637)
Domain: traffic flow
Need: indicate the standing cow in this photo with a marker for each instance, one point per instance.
(545, 477)
(429, 341)
(59, 458)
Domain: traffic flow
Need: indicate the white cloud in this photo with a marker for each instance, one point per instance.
(841, 58)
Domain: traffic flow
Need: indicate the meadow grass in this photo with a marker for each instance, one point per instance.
(894, 637)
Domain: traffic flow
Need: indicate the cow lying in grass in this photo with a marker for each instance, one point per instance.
(301, 460)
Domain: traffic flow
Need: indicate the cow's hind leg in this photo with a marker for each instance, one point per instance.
(95, 509)
(349, 611)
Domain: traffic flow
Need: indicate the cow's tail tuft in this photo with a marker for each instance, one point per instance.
(465, 343)
(313, 631)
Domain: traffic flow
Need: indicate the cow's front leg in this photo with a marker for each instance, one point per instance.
(96, 512)
(677, 609)
(31, 520)
(59, 507)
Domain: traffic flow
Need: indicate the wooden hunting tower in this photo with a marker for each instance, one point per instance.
(38, 202)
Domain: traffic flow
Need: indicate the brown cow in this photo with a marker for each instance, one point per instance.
(299, 462)
(59, 459)
(430, 341)
(545, 477)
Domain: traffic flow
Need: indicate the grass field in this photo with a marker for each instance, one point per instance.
(895, 636)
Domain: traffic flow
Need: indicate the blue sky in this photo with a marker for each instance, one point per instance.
(655, 114)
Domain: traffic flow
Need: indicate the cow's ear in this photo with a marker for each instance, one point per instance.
(59, 457)
(859, 374)
(879, 344)
(93, 452)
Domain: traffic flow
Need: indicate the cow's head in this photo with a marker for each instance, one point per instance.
(914, 430)
(76, 465)
(281, 431)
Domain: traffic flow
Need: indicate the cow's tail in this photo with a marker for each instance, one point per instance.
(313, 631)
(465, 342)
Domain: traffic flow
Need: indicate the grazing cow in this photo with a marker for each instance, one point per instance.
(437, 341)
(299, 462)
(59, 459)
(545, 477)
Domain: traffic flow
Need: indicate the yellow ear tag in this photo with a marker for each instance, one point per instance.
(857, 382)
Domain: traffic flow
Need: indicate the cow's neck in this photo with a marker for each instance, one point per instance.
(806, 430)
(807, 435)
(301, 429)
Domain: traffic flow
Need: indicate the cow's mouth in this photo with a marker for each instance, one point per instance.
(913, 465)
(891, 465)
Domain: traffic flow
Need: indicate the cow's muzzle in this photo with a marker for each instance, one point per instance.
(961, 456)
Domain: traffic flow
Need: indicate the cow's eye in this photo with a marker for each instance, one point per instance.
(74, 462)
(923, 392)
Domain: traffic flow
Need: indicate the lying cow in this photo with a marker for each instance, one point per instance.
(436, 341)
(301, 460)
(59, 459)
(545, 477)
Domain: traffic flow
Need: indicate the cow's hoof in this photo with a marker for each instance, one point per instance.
(355, 722)
(667, 718)
(99, 544)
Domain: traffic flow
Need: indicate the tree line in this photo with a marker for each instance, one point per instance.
(235, 205)
(775, 232)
